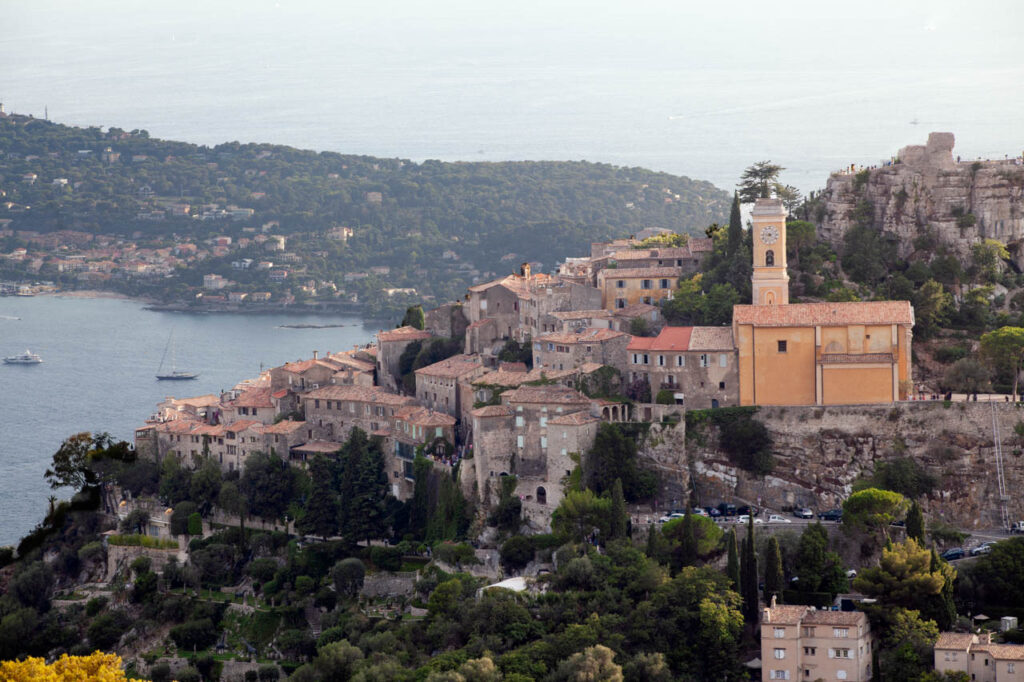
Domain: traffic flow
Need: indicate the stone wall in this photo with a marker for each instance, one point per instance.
(821, 451)
(928, 191)
(386, 584)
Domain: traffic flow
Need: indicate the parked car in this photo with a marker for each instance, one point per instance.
(851, 573)
(671, 517)
(1017, 527)
(745, 518)
(953, 554)
(983, 548)
(749, 509)
(727, 509)
(713, 512)
(831, 515)
(699, 512)
(775, 518)
(803, 513)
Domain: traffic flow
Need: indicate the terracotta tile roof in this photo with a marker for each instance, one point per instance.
(351, 364)
(546, 394)
(515, 283)
(960, 641)
(305, 365)
(242, 425)
(700, 244)
(501, 377)
(582, 314)
(481, 323)
(785, 615)
(711, 338)
(1002, 652)
(421, 416)
(668, 339)
(589, 367)
(634, 310)
(198, 401)
(855, 358)
(403, 334)
(512, 367)
(587, 335)
(640, 273)
(284, 426)
(254, 397)
(452, 368)
(574, 419)
(362, 394)
(822, 617)
(178, 426)
(211, 431)
(279, 394)
(493, 411)
(824, 314)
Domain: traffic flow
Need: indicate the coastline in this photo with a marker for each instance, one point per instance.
(95, 293)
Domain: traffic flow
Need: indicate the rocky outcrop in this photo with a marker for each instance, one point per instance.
(821, 451)
(927, 192)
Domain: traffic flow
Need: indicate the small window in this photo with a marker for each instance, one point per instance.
(779, 633)
(621, 284)
(840, 632)
(769, 258)
(723, 360)
(519, 441)
(780, 653)
(840, 674)
(646, 284)
(1009, 668)
(809, 650)
(721, 385)
(680, 361)
(661, 361)
(782, 346)
(705, 361)
(664, 284)
(520, 421)
(620, 303)
(544, 442)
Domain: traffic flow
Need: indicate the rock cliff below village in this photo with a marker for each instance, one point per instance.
(821, 451)
(927, 192)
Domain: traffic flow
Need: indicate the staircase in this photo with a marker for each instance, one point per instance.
(1004, 515)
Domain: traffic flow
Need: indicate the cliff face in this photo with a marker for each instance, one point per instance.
(820, 452)
(927, 191)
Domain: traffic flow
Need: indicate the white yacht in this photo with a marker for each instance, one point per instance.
(26, 358)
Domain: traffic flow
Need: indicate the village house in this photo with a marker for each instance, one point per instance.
(390, 346)
(697, 365)
(305, 375)
(439, 386)
(801, 643)
(339, 409)
(568, 350)
(621, 287)
(417, 430)
(978, 657)
(255, 404)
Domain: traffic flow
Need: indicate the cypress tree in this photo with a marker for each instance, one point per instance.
(915, 523)
(688, 545)
(773, 577)
(751, 602)
(732, 567)
(367, 514)
(321, 512)
(735, 233)
(620, 517)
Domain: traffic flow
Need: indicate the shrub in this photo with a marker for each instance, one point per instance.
(452, 553)
(141, 541)
(95, 605)
(105, 630)
(386, 558)
(197, 634)
(950, 354)
(195, 524)
(665, 397)
(516, 553)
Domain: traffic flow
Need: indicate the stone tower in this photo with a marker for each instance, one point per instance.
(770, 279)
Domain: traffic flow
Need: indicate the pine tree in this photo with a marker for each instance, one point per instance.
(732, 567)
(915, 523)
(620, 518)
(321, 516)
(773, 577)
(735, 233)
(751, 602)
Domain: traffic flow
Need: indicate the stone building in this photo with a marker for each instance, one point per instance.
(417, 429)
(815, 353)
(439, 386)
(390, 346)
(801, 643)
(697, 364)
(980, 659)
(568, 350)
(338, 409)
(621, 287)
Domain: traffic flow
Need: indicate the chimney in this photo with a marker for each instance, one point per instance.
(314, 354)
(524, 270)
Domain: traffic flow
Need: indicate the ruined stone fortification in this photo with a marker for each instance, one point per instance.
(928, 192)
(820, 452)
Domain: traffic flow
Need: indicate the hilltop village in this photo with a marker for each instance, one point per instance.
(497, 417)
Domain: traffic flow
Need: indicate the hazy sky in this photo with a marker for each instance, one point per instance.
(657, 83)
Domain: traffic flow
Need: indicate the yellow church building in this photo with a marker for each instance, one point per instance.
(815, 353)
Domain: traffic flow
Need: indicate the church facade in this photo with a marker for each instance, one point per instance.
(815, 353)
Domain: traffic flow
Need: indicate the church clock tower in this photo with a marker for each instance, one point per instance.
(770, 280)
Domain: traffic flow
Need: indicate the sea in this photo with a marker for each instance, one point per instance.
(100, 359)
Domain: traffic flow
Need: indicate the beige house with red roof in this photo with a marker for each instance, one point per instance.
(622, 287)
(801, 643)
(568, 350)
(251, 404)
(696, 364)
(979, 658)
(815, 353)
(440, 386)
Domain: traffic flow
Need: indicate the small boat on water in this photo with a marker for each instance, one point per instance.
(175, 374)
(26, 358)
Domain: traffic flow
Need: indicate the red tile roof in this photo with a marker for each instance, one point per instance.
(421, 416)
(452, 368)
(669, 339)
(493, 411)
(822, 617)
(955, 640)
(254, 397)
(363, 394)
(546, 394)
(587, 335)
(242, 425)
(824, 314)
(574, 419)
(285, 426)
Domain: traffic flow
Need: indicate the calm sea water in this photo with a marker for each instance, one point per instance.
(99, 361)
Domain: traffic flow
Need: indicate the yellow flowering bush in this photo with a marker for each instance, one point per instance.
(95, 666)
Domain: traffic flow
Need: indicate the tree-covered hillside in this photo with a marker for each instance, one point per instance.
(403, 214)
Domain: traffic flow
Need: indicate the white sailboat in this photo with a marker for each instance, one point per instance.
(175, 374)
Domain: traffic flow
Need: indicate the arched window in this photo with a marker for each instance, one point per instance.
(769, 298)
(769, 258)
(542, 495)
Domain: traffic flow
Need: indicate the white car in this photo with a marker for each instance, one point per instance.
(851, 574)
(671, 517)
(745, 518)
(775, 518)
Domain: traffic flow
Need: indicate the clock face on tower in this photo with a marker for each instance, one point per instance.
(769, 234)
